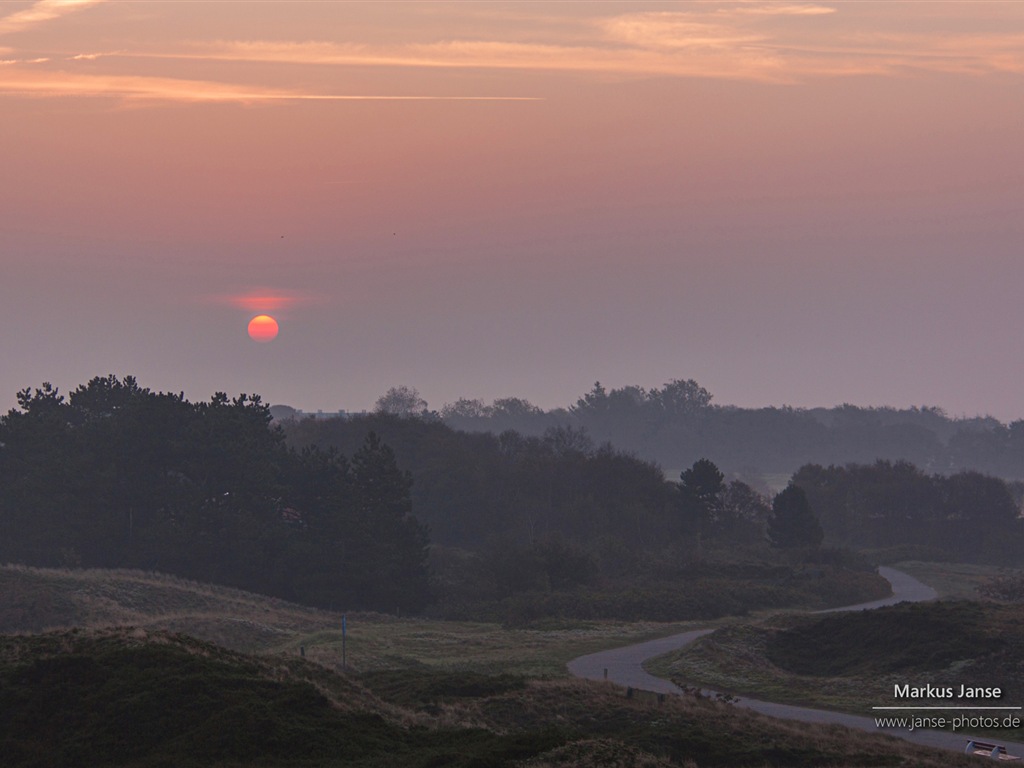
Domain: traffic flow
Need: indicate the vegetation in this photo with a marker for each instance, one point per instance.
(966, 517)
(122, 699)
(678, 424)
(1007, 587)
(476, 489)
(547, 542)
(906, 638)
(131, 698)
(414, 693)
(852, 661)
(958, 581)
(698, 591)
(40, 599)
(523, 528)
(118, 476)
(792, 524)
(526, 528)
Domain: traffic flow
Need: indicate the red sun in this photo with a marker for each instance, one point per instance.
(263, 328)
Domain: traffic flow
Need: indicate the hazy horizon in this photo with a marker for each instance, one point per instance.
(436, 404)
(797, 204)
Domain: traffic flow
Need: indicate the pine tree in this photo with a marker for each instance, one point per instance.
(792, 522)
(393, 554)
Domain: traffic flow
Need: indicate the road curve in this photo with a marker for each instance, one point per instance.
(624, 666)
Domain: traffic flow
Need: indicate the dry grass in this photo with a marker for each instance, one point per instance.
(957, 581)
(683, 731)
(604, 728)
(535, 724)
(38, 599)
(734, 660)
(982, 642)
(601, 753)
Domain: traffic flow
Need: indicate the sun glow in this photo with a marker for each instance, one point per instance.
(263, 328)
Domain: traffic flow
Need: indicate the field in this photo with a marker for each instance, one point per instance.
(46, 599)
(102, 656)
(853, 661)
(130, 697)
(958, 581)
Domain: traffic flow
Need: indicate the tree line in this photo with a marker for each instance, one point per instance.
(679, 423)
(966, 516)
(116, 475)
(535, 525)
(479, 487)
(385, 511)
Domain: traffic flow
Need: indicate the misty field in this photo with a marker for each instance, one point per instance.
(39, 599)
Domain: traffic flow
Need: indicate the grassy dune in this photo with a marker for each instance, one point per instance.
(853, 661)
(136, 698)
(958, 581)
(37, 599)
(137, 669)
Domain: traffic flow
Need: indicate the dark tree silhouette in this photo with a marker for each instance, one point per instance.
(115, 475)
(792, 523)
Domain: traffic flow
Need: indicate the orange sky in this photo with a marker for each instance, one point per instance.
(802, 203)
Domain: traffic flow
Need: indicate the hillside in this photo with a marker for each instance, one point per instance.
(38, 599)
(140, 669)
(134, 698)
(856, 661)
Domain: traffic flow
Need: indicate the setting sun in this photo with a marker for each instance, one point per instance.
(263, 328)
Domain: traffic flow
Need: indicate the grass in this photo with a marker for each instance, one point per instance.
(37, 599)
(121, 698)
(378, 644)
(851, 662)
(416, 693)
(902, 639)
(959, 581)
(134, 698)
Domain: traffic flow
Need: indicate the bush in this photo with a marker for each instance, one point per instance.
(901, 638)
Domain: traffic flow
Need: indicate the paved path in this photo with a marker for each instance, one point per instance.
(625, 667)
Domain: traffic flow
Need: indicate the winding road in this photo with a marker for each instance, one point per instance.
(625, 667)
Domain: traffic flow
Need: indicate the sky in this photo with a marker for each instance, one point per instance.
(792, 203)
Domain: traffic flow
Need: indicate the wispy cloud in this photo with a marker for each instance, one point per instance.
(751, 62)
(42, 11)
(129, 87)
(783, 42)
(767, 42)
(265, 299)
(668, 30)
(773, 9)
(37, 60)
(966, 53)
